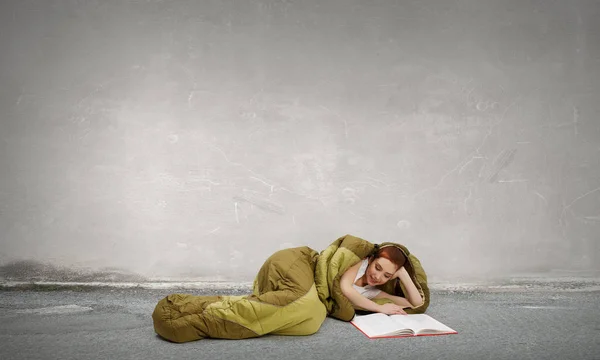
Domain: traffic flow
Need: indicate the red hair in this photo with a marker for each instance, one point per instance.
(393, 254)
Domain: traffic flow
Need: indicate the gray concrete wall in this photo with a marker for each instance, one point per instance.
(194, 138)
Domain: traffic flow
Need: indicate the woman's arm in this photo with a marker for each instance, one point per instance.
(412, 293)
(398, 300)
(346, 282)
(413, 297)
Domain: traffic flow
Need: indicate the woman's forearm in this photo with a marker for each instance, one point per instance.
(398, 300)
(360, 301)
(412, 293)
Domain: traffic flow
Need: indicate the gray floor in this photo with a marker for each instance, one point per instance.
(116, 324)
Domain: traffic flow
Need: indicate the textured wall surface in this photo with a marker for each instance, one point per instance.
(194, 138)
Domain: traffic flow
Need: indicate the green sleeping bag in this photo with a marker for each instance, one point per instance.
(293, 292)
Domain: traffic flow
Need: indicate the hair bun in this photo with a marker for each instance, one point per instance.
(375, 250)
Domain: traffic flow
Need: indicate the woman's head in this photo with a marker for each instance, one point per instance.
(383, 264)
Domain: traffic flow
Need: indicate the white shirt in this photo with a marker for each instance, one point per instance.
(367, 291)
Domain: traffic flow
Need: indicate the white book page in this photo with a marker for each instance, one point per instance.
(377, 324)
(421, 323)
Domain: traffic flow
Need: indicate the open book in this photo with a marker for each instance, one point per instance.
(380, 325)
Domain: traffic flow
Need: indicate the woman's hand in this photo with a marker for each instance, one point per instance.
(401, 271)
(391, 309)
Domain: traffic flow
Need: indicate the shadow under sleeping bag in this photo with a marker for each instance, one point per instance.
(293, 292)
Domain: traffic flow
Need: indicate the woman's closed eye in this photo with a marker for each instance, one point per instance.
(386, 275)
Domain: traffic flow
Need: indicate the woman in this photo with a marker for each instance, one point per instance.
(359, 283)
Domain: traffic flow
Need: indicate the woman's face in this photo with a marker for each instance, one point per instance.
(380, 271)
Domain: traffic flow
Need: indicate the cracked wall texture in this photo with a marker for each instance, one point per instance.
(194, 138)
